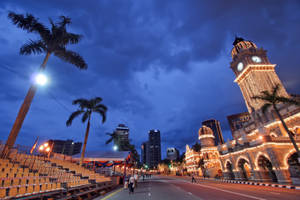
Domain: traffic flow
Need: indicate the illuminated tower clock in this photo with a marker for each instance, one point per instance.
(254, 73)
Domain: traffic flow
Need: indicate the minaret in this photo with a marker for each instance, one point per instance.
(254, 72)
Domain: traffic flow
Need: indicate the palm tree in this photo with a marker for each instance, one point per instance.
(271, 100)
(87, 107)
(113, 137)
(52, 41)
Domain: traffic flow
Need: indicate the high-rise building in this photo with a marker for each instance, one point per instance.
(122, 135)
(144, 152)
(154, 148)
(216, 128)
(172, 153)
(67, 147)
(237, 122)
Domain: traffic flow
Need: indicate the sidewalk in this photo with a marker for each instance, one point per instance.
(238, 182)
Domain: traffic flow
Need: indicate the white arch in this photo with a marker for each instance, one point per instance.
(238, 160)
(257, 157)
(286, 157)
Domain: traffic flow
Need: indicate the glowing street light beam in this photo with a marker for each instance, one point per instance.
(40, 79)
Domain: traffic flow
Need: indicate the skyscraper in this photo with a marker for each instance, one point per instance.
(154, 148)
(144, 152)
(216, 128)
(122, 141)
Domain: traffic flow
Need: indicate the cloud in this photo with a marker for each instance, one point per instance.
(156, 64)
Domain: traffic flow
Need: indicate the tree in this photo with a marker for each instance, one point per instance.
(196, 147)
(113, 137)
(86, 108)
(201, 164)
(271, 100)
(52, 41)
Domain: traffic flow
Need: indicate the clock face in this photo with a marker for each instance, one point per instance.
(240, 66)
(256, 59)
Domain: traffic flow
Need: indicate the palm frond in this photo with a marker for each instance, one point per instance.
(71, 57)
(64, 21)
(29, 23)
(101, 106)
(80, 101)
(109, 140)
(85, 116)
(72, 38)
(287, 101)
(102, 113)
(72, 116)
(275, 90)
(33, 47)
(261, 97)
(265, 107)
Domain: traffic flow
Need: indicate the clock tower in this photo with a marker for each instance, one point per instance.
(254, 72)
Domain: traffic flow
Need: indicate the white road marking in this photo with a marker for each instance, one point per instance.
(190, 193)
(236, 193)
(149, 194)
(274, 192)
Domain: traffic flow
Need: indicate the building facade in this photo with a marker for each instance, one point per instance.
(122, 137)
(144, 152)
(205, 162)
(154, 149)
(67, 147)
(261, 149)
(216, 128)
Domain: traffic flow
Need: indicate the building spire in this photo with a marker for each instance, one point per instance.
(237, 40)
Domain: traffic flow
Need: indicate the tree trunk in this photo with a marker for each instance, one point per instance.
(22, 114)
(85, 140)
(288, 131)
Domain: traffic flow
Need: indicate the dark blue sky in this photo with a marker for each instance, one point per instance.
(157, 64)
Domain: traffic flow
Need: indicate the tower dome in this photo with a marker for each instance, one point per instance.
(205, 132)
(206, 136)
(240, 44)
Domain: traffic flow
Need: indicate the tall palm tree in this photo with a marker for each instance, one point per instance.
(271, 100)
(52, 41)
(87, 107)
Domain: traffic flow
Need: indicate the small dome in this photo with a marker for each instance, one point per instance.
(240, 44)
(204, 130)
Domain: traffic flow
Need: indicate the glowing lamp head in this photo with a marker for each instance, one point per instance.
(41, 148)
(48, 149)
(260, 137)
(40, 79)
(115, 148)
(46, 144)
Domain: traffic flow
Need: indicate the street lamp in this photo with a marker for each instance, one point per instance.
(40, 79)
(115, 147)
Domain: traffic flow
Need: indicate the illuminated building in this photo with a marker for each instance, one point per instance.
(208, 154)
(261, 149)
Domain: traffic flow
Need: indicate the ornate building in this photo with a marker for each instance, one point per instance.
(205, 162)
(261, 149)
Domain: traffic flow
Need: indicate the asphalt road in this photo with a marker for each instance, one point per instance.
(169, 188)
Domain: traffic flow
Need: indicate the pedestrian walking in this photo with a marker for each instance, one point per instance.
(193, 179)
(131, 185)
(136, 177)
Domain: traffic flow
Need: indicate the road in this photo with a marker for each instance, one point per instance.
(171, 188)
